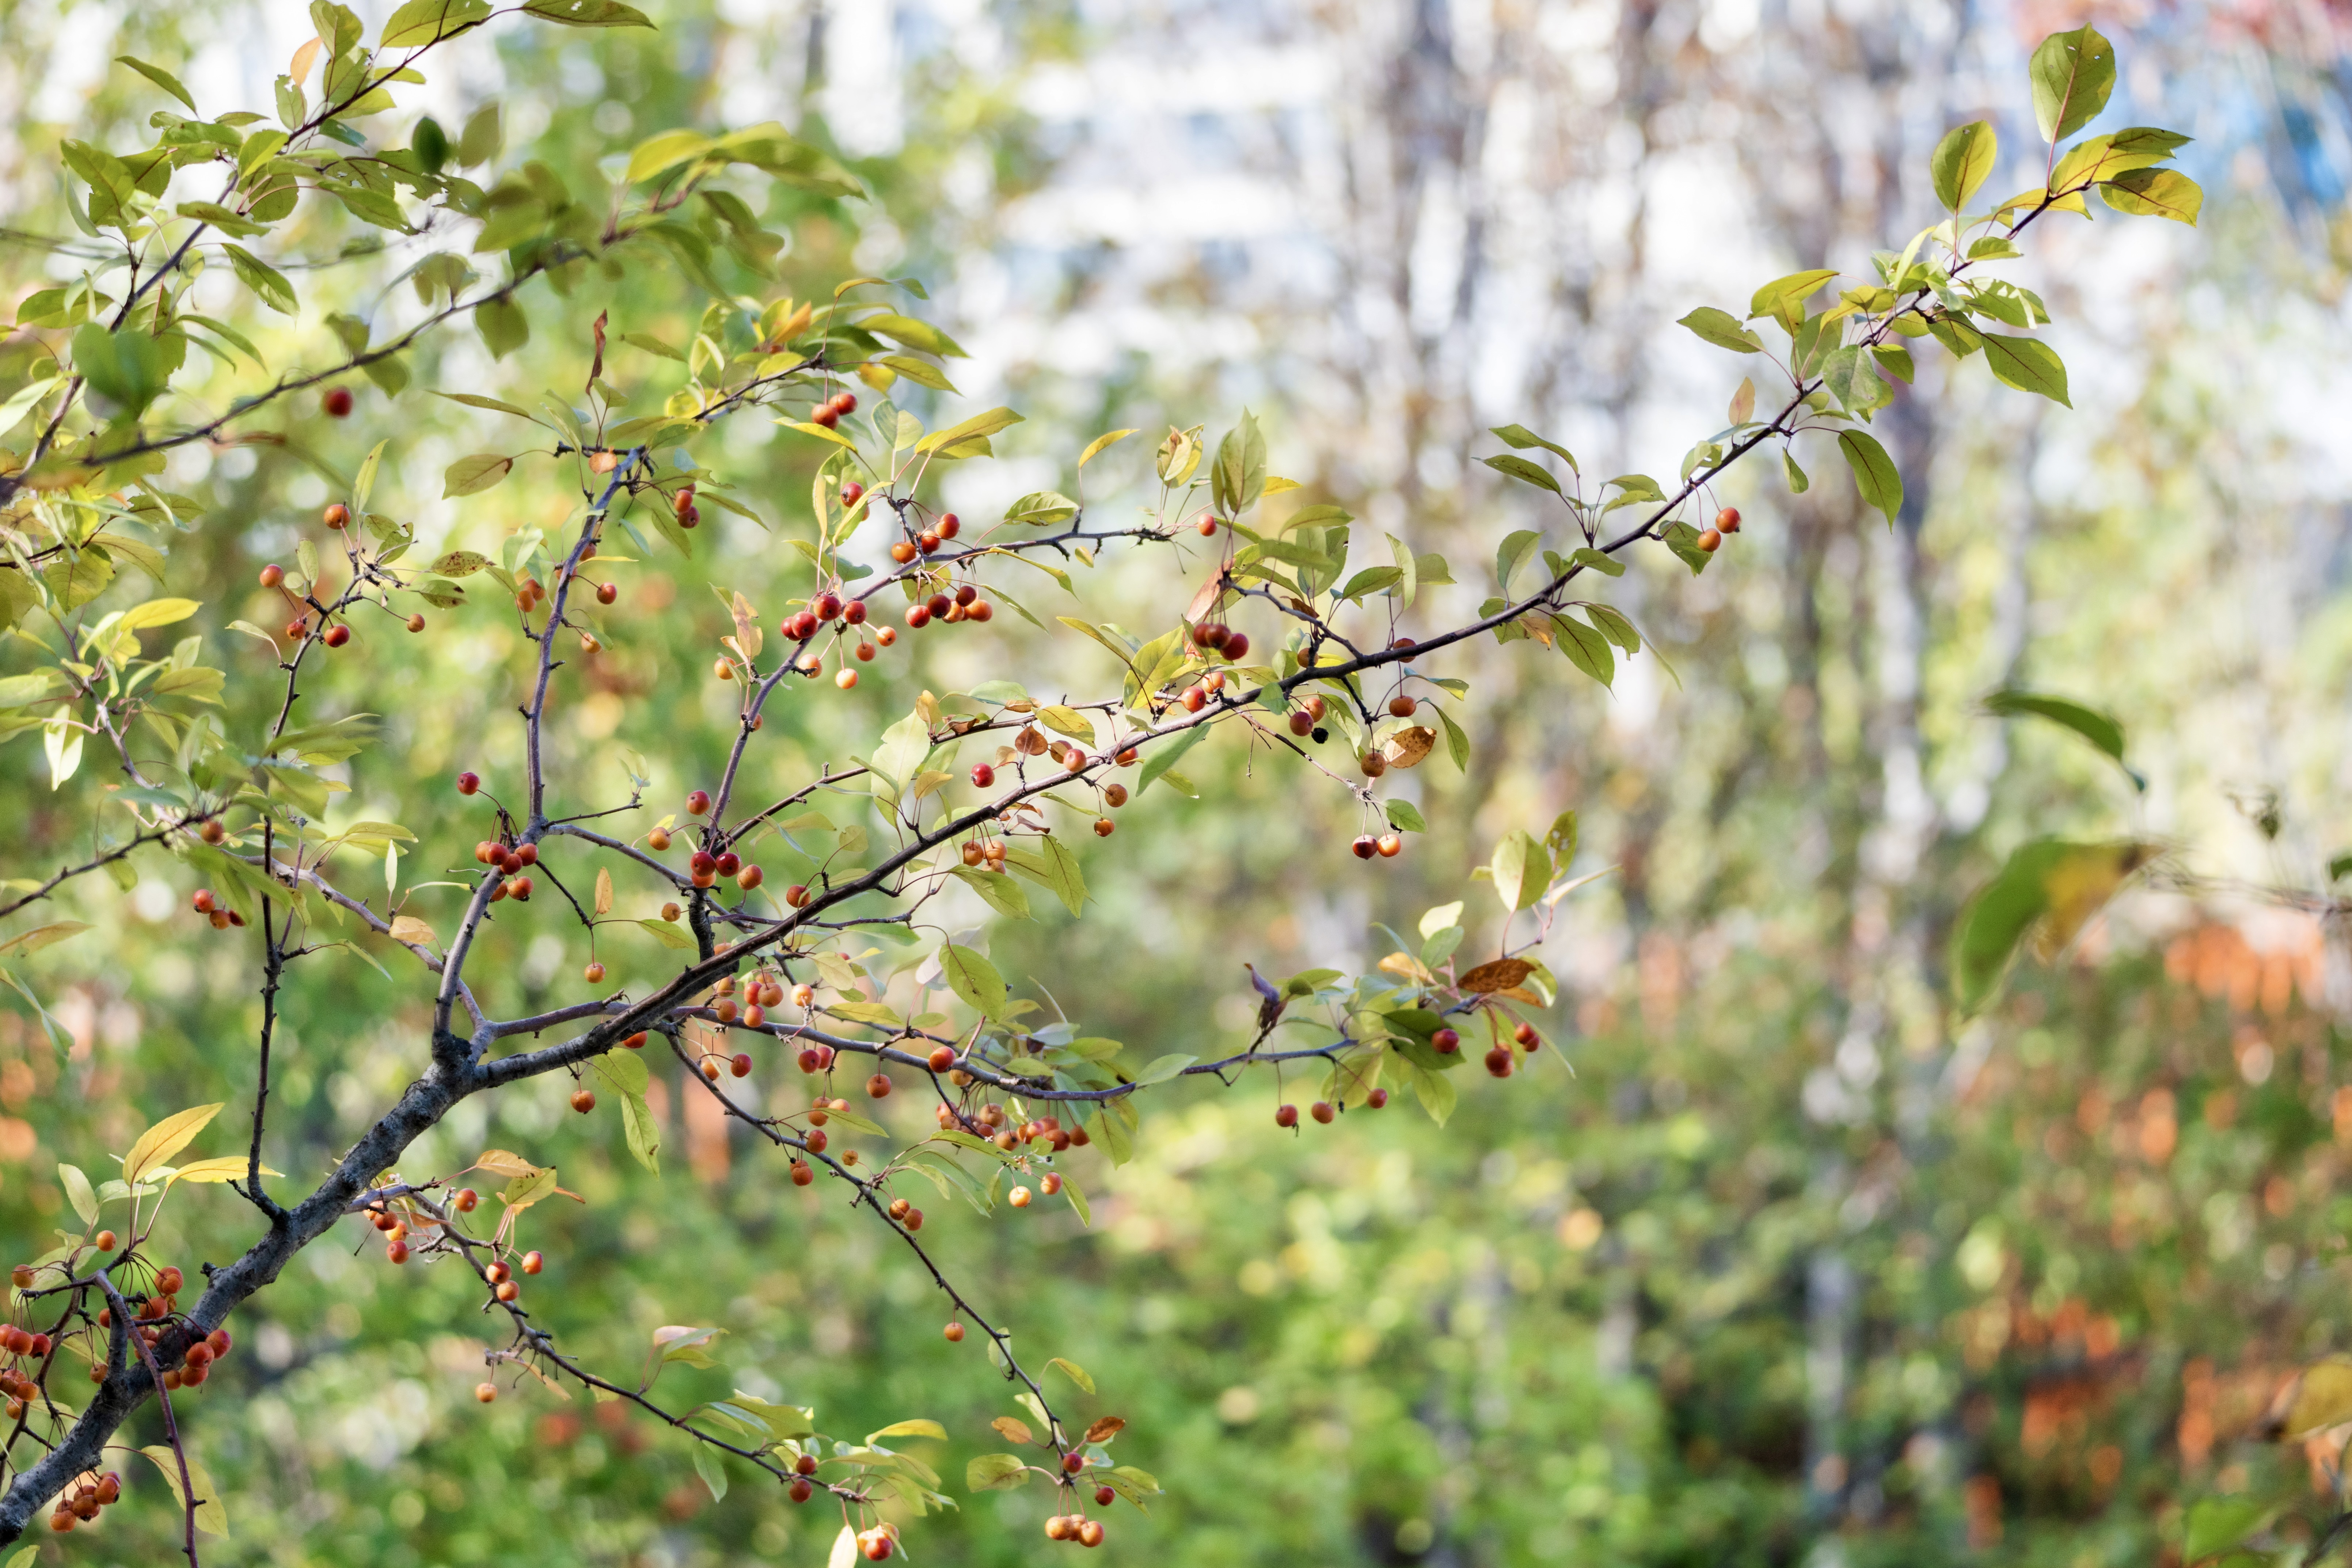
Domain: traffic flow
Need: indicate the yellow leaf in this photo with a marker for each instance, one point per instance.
(224, 1168)
(504, 1163)
(409, 929)
(1099, 442)
(1408, 747)
(2323, 1399)
(211, 1516)
(166, 1138)
(603, 891)
(1405, 966)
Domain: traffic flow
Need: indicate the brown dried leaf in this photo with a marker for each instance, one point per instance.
(1407, 747)
(1502, 974)
(1104, 1430)
(603, 891)
(1205, 601)
(1014, 1431)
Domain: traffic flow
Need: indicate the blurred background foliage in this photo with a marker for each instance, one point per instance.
(1795, 1266)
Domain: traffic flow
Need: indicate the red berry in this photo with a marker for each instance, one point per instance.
(1103, 1497)
(607, 591)
(1445, 1042)
(1526, 1035)
(879, 1085)
(918, 615)
(337, 403)
(1365, 847)
(942, 1058)
(741, 1066)
(845, 400)
(801, 1491)
(272, 575)
(1322, 1110)
(698, 803)
(983, 775)
(826, 606)
(1237, 646)
(851, 494)
(1727, 520)
(855, 612)
(468, 783)
(1286, 1116)
(337, 636)
(948, 525)
(1498, 1061)
(728, 863)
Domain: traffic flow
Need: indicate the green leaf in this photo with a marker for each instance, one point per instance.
(1074, 1371)
(502, 324)
(1458, 745)
(1851, 376)
(1238, 476)
(161, 79)
(1404, 816)
(974, 979)
(1064, 875)
(915, 334)
(2215, 1524)
(430, 21)
(1041, 508)
(1585, 648)
(471, 475)
(1435, 1091)
(1519, 436)
(41, 936)
(1722, 328)
(268, 284)
(586, 13)
(2102, 730)
(642, 1131)
(1159, 1069)
(996, 1473)
(1164, 756)
(1962, 161)
(1525, 472)
(2072, 74)
(2156, 193)
(713, 1469)
(669, 935)
(78, 1193)
(1000, 892)
(1522, 870)
(2027, 364)
(1874, 474)
(979, 428)
(1784, 297)
(126, 368)
(2049, 883)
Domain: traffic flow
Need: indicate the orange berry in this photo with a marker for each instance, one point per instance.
(954, 1333)
(508, 1290)
(337, 515)
(532, 1263)
(879, 1085)
(1727, 520)
(583, 1100)
(1019, 1197)
(594, 974)
(1709, 539)
(486, 1392)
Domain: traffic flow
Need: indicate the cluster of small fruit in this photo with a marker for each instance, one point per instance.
(993, 1122)
(927, 541)
(22, 1345)
(79, 1504)
(1726, 521)
(1500, 1061)
(705, 868)
(512, 860)
(964, 604)
(207, 902)
(876, 1543)
(761, 990)
(1078, 1527)
(829, 412)
(1215, 637)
